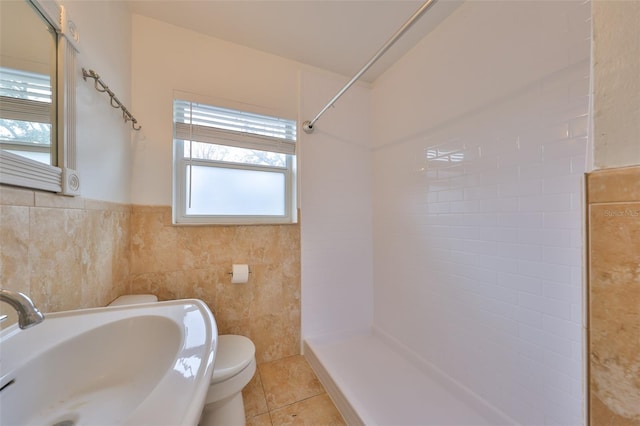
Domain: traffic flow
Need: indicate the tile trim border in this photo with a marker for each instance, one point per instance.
(619, 185)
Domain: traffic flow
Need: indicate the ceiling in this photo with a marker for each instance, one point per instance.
(336, 35)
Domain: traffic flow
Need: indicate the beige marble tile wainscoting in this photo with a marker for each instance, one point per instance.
(65, 253)
(613, 197)
(177, 262)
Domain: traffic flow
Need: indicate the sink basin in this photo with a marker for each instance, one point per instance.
(147, 364)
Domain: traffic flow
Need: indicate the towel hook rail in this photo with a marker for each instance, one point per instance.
(307, 126)
(115, 102)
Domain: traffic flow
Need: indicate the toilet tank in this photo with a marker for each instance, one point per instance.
(134, 299)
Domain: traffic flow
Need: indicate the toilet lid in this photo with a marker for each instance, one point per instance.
(234, 353)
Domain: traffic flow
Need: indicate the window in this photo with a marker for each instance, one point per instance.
(232, 167)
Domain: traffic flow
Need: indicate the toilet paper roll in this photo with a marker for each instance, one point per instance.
(240, 274)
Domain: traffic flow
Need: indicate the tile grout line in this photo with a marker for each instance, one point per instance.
(264, 395)
(300, 400)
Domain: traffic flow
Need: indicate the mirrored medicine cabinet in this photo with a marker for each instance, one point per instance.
(38, 48)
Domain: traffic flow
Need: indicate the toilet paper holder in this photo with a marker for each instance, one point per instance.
(240, 273)
(231, 273)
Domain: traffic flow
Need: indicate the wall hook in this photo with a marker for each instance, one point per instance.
(115, 102)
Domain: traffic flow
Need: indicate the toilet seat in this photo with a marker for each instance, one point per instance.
(234, 354)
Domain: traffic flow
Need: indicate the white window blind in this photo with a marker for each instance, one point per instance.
(25, 96)
(206, 123)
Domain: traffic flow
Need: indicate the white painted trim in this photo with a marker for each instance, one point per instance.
(21, 171)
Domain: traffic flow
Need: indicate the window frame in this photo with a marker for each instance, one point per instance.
(180, 191)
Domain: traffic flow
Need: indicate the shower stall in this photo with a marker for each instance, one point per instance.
(442, 212)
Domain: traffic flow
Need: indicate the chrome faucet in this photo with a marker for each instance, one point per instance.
(28, 314)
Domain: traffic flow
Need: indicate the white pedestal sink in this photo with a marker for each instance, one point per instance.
(145, 364)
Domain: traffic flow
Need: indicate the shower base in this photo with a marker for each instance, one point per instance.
(372, 382)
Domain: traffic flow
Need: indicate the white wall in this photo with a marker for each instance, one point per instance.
(617, 83)
(166, 59)
(480, 137)
(337, 244)
(103, 139)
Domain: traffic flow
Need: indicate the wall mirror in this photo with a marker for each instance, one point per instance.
(38, 46)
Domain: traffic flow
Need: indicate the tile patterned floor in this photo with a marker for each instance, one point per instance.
(287, 392)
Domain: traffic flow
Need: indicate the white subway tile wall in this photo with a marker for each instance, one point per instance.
(477, 205)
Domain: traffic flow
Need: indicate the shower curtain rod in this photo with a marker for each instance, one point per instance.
(307, 126)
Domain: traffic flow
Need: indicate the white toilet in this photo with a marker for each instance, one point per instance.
(234, 367)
